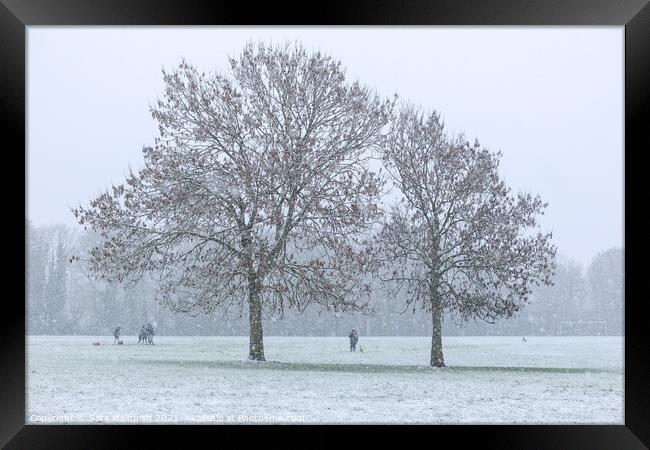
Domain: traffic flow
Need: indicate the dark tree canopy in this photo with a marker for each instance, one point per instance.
(458, 240)
(256, 192)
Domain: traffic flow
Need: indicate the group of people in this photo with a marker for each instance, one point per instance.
(145, 335)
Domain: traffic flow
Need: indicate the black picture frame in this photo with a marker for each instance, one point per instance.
(634, 15)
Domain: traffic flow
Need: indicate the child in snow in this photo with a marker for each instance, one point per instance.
(116, 333)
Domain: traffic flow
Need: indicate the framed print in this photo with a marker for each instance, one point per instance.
(380, 215)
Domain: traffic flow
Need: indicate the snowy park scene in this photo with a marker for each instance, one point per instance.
(488, 380)
(329, 225)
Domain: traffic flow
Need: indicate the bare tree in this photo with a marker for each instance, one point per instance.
(458, 240)
(62, 245)
(47, 252)
(257, 191)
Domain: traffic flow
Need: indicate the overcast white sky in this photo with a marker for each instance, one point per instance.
(550, 98)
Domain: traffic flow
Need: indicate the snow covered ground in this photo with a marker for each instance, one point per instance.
(489, 380)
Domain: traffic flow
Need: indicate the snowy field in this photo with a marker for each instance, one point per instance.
(489, 380)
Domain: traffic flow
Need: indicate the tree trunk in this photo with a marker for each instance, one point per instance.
(436, 336)
(256, 348)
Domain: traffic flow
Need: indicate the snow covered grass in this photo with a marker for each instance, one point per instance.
(489, 380)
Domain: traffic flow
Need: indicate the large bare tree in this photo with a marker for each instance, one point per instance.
(458, 240)
(257, 192)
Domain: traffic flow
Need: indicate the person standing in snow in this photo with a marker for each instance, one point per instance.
(354, 338)
(149, 332)
(116, 333)
(142, 337)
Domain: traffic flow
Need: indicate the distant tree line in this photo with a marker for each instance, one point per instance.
(63, 298)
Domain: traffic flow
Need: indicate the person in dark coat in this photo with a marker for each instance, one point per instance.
(142, 336)
(116, 334)
(149, 332)
(354, 338)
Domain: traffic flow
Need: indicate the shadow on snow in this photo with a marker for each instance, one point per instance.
(365, 368)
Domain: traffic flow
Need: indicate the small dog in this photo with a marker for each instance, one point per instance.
(120, 342)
